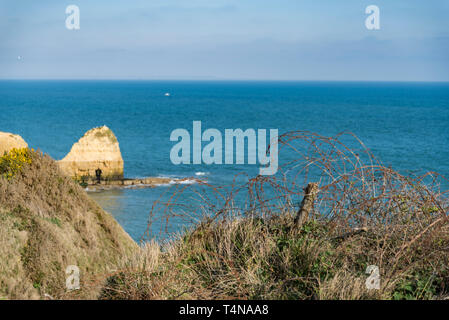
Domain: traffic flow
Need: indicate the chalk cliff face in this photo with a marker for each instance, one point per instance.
(98, 148)
(9, 141)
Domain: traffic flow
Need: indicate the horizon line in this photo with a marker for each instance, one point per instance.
(220, 80)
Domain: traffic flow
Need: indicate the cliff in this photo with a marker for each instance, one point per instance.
(9, 141)
(97, 149)
(47, 223)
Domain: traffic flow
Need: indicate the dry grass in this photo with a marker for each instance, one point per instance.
(47, 222)
(247, 247)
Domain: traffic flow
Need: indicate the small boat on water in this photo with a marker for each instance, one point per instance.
(167, 94)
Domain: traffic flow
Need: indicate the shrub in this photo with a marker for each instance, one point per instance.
(364, 215)
(13, 161)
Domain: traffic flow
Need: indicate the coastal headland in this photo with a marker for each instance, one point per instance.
(94, 161)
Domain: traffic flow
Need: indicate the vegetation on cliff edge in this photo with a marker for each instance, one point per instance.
(47, 222)
(253, 242)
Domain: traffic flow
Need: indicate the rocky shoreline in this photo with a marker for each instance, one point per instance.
(97, 150)
(130, 183)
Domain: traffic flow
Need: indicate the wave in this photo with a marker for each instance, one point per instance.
(184, 181)
(176, 181)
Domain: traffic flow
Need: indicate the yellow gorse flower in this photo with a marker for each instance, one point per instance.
(13, 161)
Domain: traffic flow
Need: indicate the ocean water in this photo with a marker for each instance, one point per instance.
(406, 125)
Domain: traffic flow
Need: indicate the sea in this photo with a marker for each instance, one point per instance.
(405, 125)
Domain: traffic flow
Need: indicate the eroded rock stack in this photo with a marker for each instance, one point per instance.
(97, 149)
(9, 141)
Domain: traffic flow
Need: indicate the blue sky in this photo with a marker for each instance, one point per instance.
(225, 39)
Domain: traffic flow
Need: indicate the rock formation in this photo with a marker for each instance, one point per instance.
(97, 149)
(9, 141)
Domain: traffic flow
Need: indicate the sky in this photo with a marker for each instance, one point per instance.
(225, 40)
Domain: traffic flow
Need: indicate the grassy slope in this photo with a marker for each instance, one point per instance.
(249, 258)
(47, 222)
